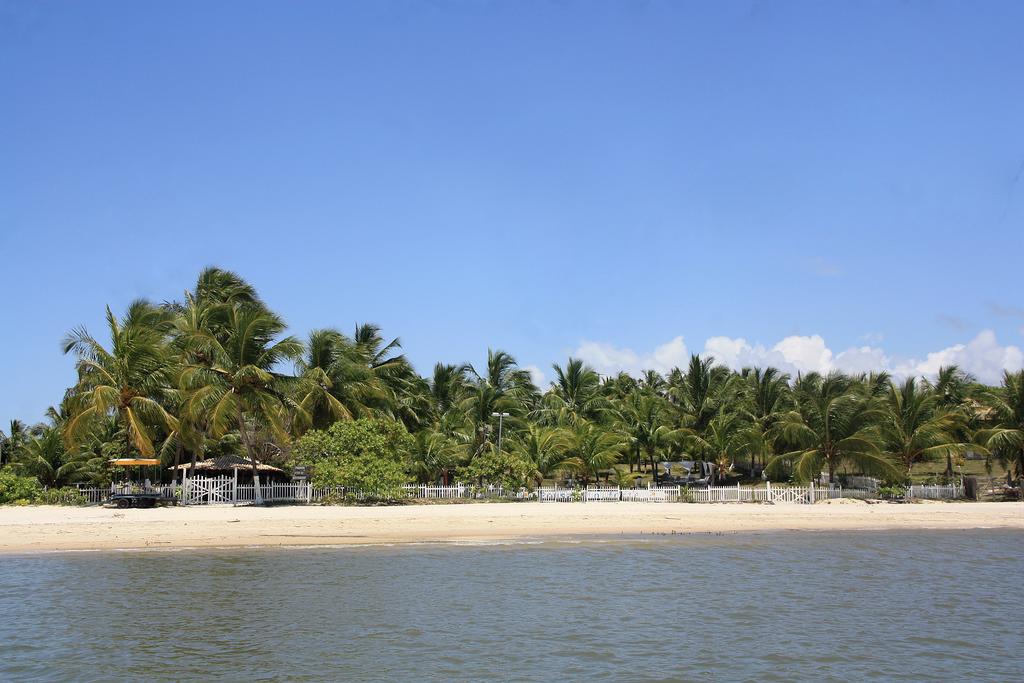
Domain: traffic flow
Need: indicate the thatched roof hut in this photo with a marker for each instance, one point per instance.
(227, 464)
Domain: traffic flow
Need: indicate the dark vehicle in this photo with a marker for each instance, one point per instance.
(139, 495)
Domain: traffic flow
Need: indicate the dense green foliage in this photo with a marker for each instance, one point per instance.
(217, 373)
(367, 455)
(15, 488)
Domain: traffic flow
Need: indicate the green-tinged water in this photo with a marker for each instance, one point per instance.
(933, 605)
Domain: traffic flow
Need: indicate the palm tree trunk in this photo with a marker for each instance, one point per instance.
(949, 466)
(257, 494)
(654, 469)
(177, 462)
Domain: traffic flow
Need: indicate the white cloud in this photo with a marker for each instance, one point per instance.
(609, 360)
(982, 356)
(537, 375)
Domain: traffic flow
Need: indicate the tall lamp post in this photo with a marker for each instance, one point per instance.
(500, 416)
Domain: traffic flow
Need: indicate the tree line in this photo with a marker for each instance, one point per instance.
(216, 373)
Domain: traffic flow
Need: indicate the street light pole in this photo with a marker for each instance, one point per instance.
(500, 416)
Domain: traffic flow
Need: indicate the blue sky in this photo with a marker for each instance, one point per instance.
(810, 184)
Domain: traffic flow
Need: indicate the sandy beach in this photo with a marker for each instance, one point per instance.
(40, 529)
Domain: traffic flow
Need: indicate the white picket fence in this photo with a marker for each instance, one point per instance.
(935, 491)
(226, 491)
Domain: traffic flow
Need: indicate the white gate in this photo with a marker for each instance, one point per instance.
(209, 491)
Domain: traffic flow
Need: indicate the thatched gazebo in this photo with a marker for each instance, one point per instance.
(227, 465)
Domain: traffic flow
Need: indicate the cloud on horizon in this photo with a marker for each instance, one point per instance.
(982, 356)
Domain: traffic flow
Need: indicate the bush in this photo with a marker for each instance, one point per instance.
(62, 496)
(507, 470)
(892, 492)
(19, 490)
(366, 456)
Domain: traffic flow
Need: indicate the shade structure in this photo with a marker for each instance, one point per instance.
(134, 462)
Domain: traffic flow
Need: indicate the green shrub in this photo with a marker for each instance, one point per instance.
(507, 470)
(62, 496)
(366, 456)
(14, 489)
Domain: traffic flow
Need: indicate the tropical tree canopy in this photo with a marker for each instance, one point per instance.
(219, 373)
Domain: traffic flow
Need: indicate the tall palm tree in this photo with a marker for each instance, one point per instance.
(727, 437)
(764, 398)
(953, 388)
(594, 449)
(129, 380)
(448, 386)
(338, 383)
(12, 443)
(45, 457)
(642, 416)
(915, 428)
(546, 447)
(435, 456)
(1005, 440)
(832, 424)
(240, 387)
(504, 387)
(699, 392)
(575, 395)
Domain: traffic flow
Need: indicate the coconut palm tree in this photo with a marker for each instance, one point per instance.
(763, 398)
(546, 447)
(699, 392)
(45, 457)
(1005, 440)
(337, 381)
(12, 442)
(574, 397)
(953, 390)
(727, 437)
(594, 449)
(833, 424)
(435, 456)
(240, 388)
(642, 417)
(129, 380)
(504, 387)
(915, 428)
(448, 386)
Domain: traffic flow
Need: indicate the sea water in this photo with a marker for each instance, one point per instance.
(927, 605)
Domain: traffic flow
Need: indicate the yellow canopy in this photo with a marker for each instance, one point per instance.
(134, 462)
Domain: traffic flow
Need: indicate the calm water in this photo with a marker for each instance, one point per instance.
(853, 606)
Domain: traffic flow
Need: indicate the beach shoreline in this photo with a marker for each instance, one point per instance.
(48, 528)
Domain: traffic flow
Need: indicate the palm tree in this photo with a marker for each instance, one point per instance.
(699, 392)
(239, 388)
(448, 386)
(726, 437)
(765, 397)
(642, 416)
(833, 424)
(575, 395)
(435, 456)
(130, 380)
(338, 383)
(45, 457)
(12, 443)
(546, 447)
(503, 388)
(1005, 440)
(594, 449)
(952, 388)
(914, 427)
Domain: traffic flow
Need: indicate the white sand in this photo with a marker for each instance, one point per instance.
(31, 529)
